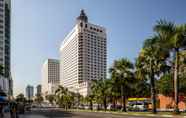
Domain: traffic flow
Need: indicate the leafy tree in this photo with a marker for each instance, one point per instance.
(50, 98)
(20, 98)
(165, 85)
(39, 99)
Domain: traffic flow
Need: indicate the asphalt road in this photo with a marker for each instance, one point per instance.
(63, 114)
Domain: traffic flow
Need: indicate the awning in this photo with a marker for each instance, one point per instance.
(3, 99)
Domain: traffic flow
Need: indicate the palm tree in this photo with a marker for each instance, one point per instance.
(151, 63)
(62, 96)
(122, 71)
(100, 91)
(113, 91)
(173, 37)
(89, 99)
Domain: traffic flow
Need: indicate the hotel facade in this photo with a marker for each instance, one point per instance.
(83, 56)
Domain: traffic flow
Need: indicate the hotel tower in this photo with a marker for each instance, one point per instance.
(83, 56)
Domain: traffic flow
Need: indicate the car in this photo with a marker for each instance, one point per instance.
(111, 107)
(81, 106)
(86, 107)
(28, 108)
(137, 106)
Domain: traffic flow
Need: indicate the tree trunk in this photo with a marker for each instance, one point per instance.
(98, 106)
(176, 86)
(91, 105)
(114, 103)
(153, 90)
(105, 103)
(123, 99)
(153, 95)
(65, 107)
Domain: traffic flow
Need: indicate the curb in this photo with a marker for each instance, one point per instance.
(170, 116)
(134, 114)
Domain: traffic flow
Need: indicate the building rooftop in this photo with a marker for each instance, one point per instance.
(82, 16)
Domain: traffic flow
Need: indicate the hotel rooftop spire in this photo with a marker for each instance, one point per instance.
(83, 16)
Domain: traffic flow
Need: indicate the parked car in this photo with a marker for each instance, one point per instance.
(81, 106)
(28, 107)
(86, 107)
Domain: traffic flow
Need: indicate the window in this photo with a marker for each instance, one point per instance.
(1, 5)
(1, 10)
(81, 24)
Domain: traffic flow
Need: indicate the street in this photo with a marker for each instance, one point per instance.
(63, 114)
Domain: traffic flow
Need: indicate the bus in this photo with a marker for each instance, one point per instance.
(138, 104)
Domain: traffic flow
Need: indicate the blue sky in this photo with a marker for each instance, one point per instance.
(39, 27)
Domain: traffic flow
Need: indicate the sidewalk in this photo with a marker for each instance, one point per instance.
(7, 115)
(31, 116)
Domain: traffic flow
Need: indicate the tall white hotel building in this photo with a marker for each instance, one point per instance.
(50, 76)
(83, 56)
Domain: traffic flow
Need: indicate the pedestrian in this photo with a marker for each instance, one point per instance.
(13, 110)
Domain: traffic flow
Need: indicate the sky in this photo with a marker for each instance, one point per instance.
(39, 27)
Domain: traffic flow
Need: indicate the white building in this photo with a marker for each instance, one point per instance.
(4, 84)
(50, 76)
(29, 92)
(83, 56)
(5, 12)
